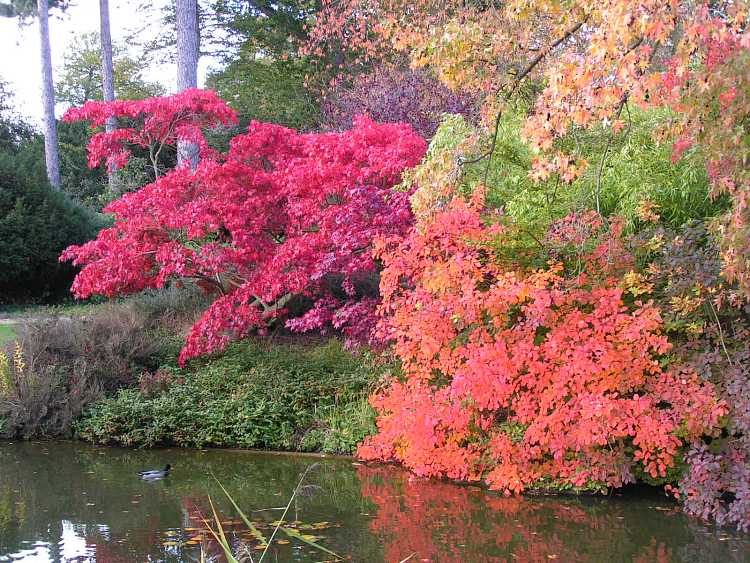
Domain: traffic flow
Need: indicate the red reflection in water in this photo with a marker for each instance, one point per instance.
(441, 522)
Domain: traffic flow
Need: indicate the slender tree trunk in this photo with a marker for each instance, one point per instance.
(187, 65)
(51, 150)
(108, 78)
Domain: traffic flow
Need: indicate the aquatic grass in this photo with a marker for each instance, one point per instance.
(221, 537)
(283, 516)
(257, 534)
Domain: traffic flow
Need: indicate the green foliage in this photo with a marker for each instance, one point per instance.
(78, 180)
(27, 8)
(673, 473)
(638, 174)
(12, 128)
(80, 78)
(549, 486)
(256, 395)
(263, 75)
(637, 168)
(267, 26)
(514, 430)
(81, 183)
(36, 224)
(341, 426)
(267, 89)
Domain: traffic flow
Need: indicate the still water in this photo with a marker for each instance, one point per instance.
(70, 502)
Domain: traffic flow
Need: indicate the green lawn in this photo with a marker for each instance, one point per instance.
(7, 334)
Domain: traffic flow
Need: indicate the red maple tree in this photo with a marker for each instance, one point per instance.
(280, 215)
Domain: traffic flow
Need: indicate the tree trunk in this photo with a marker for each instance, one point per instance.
(51, 150)
(108, 79)
(187, 65)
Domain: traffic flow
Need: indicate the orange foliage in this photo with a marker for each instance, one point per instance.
(518, 378)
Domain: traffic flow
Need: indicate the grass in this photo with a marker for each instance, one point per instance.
(67, 309)
(7, 334)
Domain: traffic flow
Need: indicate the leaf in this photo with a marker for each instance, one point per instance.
(305, 539)
(219, 534)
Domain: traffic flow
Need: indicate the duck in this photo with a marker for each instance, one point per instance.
(156, 473)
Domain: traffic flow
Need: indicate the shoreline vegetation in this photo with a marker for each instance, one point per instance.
(235, 401)
(108, 374)
(108, 371)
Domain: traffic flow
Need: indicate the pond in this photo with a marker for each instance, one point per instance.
(62, 501)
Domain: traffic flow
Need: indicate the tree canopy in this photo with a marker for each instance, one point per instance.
(80, 78)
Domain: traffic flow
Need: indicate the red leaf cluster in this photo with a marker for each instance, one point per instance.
(151, 123)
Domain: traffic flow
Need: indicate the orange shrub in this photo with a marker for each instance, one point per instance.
(526, 379)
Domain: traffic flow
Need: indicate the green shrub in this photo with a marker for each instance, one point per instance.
(256, 395)
(267, 89)
(338, 428)
(637, 168)
(36, 224)
(80, 182)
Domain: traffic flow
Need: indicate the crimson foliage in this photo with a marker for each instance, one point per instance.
(152, 124)
(279, 215)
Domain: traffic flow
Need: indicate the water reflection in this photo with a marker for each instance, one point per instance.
(72, 546)
(439, 521)
(68, 502)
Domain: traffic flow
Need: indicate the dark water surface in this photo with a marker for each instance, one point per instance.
(69, 502)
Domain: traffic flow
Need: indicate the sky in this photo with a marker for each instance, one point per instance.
(20, 57)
